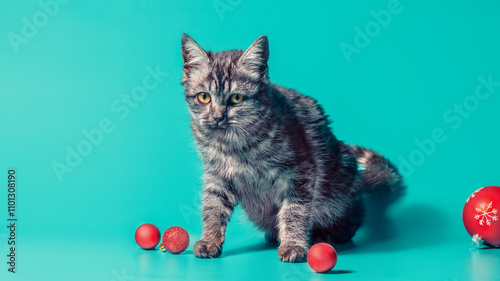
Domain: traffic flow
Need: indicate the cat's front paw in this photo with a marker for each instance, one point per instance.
(289, 253)
(204, 249)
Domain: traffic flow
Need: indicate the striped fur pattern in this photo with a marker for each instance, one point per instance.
(274, 154)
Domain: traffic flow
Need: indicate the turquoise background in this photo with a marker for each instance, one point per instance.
(394, 91)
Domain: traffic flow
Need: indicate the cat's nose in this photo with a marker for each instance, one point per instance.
(218, 119)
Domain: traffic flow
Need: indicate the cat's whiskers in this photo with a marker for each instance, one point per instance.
(247, 134)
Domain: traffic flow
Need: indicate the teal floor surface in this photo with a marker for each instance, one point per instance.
(418, 81)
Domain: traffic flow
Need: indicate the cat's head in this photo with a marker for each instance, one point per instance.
(225, 91)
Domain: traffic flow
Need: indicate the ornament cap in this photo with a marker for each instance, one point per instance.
(476, 242)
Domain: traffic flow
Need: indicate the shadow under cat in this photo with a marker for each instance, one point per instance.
(415, 226)
(256, 247)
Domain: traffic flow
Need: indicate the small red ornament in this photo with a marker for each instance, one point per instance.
(175, 240)
(147, 236)
(480, 216)
(322, 257)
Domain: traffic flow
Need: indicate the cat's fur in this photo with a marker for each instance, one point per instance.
(274, 154)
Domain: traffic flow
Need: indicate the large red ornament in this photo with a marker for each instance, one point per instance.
(480, 216)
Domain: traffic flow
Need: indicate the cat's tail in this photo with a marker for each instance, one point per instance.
(379, 184)
(379, 178)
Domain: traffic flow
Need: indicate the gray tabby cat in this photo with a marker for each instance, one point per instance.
(271, 150)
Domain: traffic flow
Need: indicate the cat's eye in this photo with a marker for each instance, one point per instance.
(236, 98)
(204, 97)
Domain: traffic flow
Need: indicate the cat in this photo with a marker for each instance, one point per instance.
(271, 149)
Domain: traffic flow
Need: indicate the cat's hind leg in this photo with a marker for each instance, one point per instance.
(343, 229)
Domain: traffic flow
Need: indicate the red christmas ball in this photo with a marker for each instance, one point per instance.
(147, 236)
(175, 240)
(480, 215)
(322, 257)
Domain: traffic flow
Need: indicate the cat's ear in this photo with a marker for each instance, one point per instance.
(192, 55)
(255, 58)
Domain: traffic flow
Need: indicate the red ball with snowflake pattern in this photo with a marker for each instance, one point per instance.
(480, 215)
